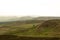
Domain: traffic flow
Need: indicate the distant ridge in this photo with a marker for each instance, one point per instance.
(14, 18)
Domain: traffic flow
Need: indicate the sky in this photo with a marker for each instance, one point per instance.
(29, 8)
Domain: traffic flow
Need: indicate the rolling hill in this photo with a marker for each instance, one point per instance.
(45, 27)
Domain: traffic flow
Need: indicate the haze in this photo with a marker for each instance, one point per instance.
(29, 8)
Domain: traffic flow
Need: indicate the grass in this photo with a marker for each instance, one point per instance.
(27, 30)
(20, 29)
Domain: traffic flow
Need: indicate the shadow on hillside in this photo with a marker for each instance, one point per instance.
(14, 37)
(53, 23)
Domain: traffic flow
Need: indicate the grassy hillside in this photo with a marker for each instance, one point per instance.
(33, 28)
(18, 27)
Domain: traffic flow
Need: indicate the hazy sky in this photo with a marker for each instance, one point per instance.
(29, 7)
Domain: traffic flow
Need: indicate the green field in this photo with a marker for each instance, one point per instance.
(38, 29)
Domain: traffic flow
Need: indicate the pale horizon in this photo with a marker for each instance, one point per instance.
(30, 8)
